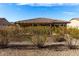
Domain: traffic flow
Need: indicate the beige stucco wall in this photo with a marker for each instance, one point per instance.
(73, 23)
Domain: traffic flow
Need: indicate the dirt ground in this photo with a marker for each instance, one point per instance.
(40, 52)
(23, 51)
(30, 50)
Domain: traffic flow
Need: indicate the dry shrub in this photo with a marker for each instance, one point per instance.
(73, 32)
(73, 37)
(41, 30)
(58, 34)
(3, 37)
(37, 34)
(40, 35)
(17, 34)
(39, 40)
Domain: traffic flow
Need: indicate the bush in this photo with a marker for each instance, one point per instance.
(40, 35)
(58, 33)
(17, 34)
(3, 38)
(73, 37)
(39, 41)
(73, 32)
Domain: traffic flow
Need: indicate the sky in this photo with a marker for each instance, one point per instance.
(22, 11)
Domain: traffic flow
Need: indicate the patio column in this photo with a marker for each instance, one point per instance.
(50, 29)
(32, 27)
(65, 25)
(54, 27)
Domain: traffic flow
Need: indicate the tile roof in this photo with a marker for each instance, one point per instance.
(42, 20)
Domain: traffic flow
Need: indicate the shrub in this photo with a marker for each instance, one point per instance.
(73, 37)
(39, 40)
(58, 33)
(40, 35)
(3, 37)
(73, 32)
(17, 34)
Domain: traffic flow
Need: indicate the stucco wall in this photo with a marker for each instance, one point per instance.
(73, 23)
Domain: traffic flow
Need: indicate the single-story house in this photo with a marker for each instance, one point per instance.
(74, 23)
(42, 22)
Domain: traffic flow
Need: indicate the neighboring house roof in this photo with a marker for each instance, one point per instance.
(74, 22)
(3, 21)
(42, 20)
(75, 19)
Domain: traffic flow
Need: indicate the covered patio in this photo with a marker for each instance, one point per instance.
(42, 22)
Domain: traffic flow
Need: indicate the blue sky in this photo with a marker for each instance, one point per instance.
(17, 11)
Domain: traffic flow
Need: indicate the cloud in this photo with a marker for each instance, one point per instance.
(22, 3)
(39, 1)
(48, 4)
(69, 13)
(41, 4)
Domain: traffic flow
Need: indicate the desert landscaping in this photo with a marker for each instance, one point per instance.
(38, 37)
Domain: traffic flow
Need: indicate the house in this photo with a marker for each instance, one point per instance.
(42, 22)
(3, 23)
(74, 23)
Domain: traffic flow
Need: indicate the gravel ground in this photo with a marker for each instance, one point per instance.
(38, 52)
(24, 50)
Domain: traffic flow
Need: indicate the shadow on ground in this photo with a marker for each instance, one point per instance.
(33, 47)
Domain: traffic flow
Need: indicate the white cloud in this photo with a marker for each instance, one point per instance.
(22, 3)
(40, 1)
(41, 4)
(48, 4)
(69, 13)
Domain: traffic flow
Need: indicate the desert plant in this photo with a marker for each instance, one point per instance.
(39, 40)
(58, 33)
(73, 32)
(73, 37)
(3, 38)
(19, 35)
(40, 35)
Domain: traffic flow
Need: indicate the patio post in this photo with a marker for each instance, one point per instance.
(50, 29)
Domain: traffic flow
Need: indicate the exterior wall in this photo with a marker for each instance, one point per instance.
(74, 24)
